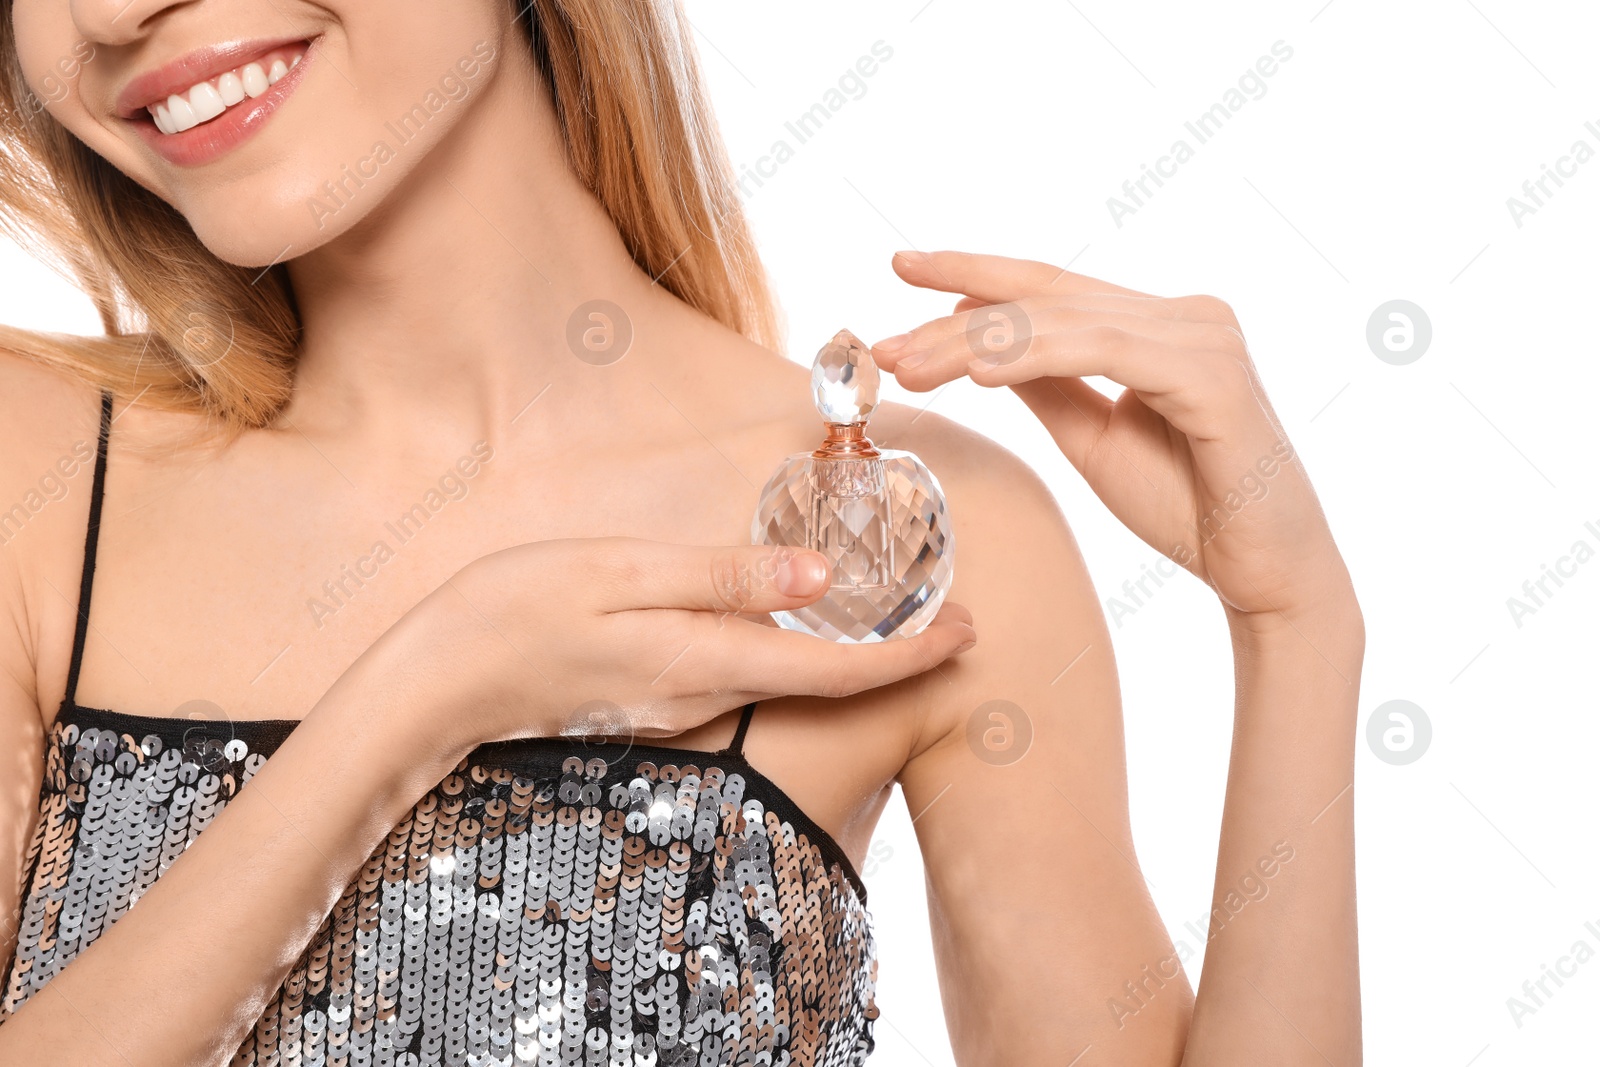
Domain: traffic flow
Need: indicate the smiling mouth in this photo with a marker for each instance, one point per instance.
(208, 99)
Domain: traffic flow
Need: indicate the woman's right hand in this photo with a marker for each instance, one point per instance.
(622, 636)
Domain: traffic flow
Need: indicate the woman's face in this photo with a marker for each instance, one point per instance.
(271, 125)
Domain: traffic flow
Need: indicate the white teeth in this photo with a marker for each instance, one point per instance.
(182, 114)
(206, 101)
(255, 79)
(230, 88)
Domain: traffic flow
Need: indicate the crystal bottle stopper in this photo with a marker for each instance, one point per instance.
(844, 384)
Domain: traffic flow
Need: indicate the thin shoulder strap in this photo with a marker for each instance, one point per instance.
(736, 746)
(90, 545)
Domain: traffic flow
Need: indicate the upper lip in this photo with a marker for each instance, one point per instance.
(187, 70)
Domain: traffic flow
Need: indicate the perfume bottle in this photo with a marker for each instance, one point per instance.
(878, 515)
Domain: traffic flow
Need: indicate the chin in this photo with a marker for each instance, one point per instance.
(293, 210)
(253, 241)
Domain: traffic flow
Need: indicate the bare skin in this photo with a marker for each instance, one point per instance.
(207, 564)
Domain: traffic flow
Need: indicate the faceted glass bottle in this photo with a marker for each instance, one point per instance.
(878, 515)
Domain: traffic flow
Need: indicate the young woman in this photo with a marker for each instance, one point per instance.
(323, 571)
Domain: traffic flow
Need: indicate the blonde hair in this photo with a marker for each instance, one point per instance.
(638, 131)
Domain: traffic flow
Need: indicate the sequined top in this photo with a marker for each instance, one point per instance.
(549, 902)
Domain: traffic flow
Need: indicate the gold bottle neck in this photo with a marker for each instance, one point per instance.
(845, 441)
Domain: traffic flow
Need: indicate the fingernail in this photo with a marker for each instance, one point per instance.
(911, 255)
(889, 344)
(800, 574)
(912, 360)
(963, 646)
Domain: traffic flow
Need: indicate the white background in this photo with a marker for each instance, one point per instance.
(1376, 166)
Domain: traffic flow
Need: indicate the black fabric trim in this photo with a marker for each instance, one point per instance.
(91, 544)
(541, 755)
(736, 746)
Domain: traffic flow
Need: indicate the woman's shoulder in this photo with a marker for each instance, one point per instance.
(1018, 569)
(49, 426)
(47, 410)
(970, 465)
(49, 429)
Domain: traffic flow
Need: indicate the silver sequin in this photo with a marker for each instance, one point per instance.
(532, 908)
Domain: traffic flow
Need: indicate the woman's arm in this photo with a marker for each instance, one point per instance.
(181, 977)
(1193, 460)
(1280, 983)
(1018, 790)
(1047, 941)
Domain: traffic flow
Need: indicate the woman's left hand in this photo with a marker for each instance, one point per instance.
(1190, 457)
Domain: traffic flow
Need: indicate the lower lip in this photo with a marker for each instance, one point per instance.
(212, 140)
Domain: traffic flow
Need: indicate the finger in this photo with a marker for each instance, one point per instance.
(994, 279)
(1007, 345)
(1157, 358)
(950, 612)
(1193, 375)
(790, 663)
(760, 618)
(973, 323)
(638, 573)
(1208, 396)
(989, 326)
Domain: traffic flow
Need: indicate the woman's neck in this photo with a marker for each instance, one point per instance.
(447, 306)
